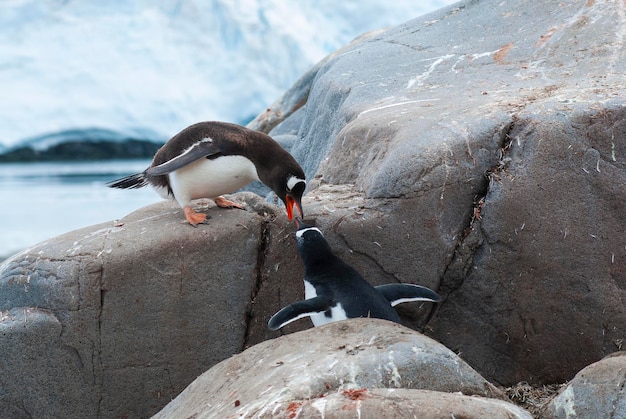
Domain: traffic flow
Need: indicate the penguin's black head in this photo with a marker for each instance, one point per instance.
(301, 225)
(312, 245)
(292, 194)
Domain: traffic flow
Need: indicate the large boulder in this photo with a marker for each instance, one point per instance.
(324, 370)
(488, 144)
(114, 320)
(598, 391)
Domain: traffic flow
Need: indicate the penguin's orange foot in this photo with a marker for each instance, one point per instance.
(195, 218)
(225, 203)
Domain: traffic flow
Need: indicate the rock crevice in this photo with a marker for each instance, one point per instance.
(471, 236)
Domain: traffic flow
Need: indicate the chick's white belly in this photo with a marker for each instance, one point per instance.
(337, 312)
(207, 178)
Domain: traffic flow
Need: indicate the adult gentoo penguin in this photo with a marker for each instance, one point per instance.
(209, 159)
(335, 291)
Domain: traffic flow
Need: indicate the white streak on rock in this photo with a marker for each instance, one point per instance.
(395, 374)
(567, 402)
(320, 406)
(471, 57)
(419, 79)
(395, 104)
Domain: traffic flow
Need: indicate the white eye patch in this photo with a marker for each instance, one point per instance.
(293, 181)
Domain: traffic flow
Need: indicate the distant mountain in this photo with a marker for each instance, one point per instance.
(85, 144)
(161, 66)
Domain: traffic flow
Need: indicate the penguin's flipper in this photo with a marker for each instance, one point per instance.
(299, 310)
(404, 293)
(201, 149)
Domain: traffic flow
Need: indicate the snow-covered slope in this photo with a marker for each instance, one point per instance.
(137, 66)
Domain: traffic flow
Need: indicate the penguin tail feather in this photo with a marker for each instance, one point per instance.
(138, 180)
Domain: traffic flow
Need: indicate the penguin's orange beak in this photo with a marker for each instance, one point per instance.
(290, 202)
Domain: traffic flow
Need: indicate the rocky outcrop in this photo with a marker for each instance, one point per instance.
(479, 151)
(598, 391)
(490, 162)
(116, 319)
(337, 370)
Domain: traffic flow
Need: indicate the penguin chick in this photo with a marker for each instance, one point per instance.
(334, 291)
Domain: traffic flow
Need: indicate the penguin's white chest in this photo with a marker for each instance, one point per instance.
(206, 178)
(336, 312)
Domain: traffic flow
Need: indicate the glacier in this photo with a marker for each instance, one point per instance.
(132, 66)
(140, 69)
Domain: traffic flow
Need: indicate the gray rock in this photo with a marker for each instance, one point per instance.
(340, 357)
(545, 261)
(598, 391)
(286, 140)
(488, 142)
(42, 373)
(479, 151)
(291, 125)
(116, 319)
(394, 403)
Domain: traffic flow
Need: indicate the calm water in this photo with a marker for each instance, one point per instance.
(43, 200)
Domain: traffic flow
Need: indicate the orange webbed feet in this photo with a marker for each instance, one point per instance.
(195, 218)
(222, 202)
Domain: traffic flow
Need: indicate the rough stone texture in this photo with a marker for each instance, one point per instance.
(598, 391)
(488, 143)
(479, 151)
(548, 264)
(395, 403)
(309, 365)
(115, 320)
(41, 373)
